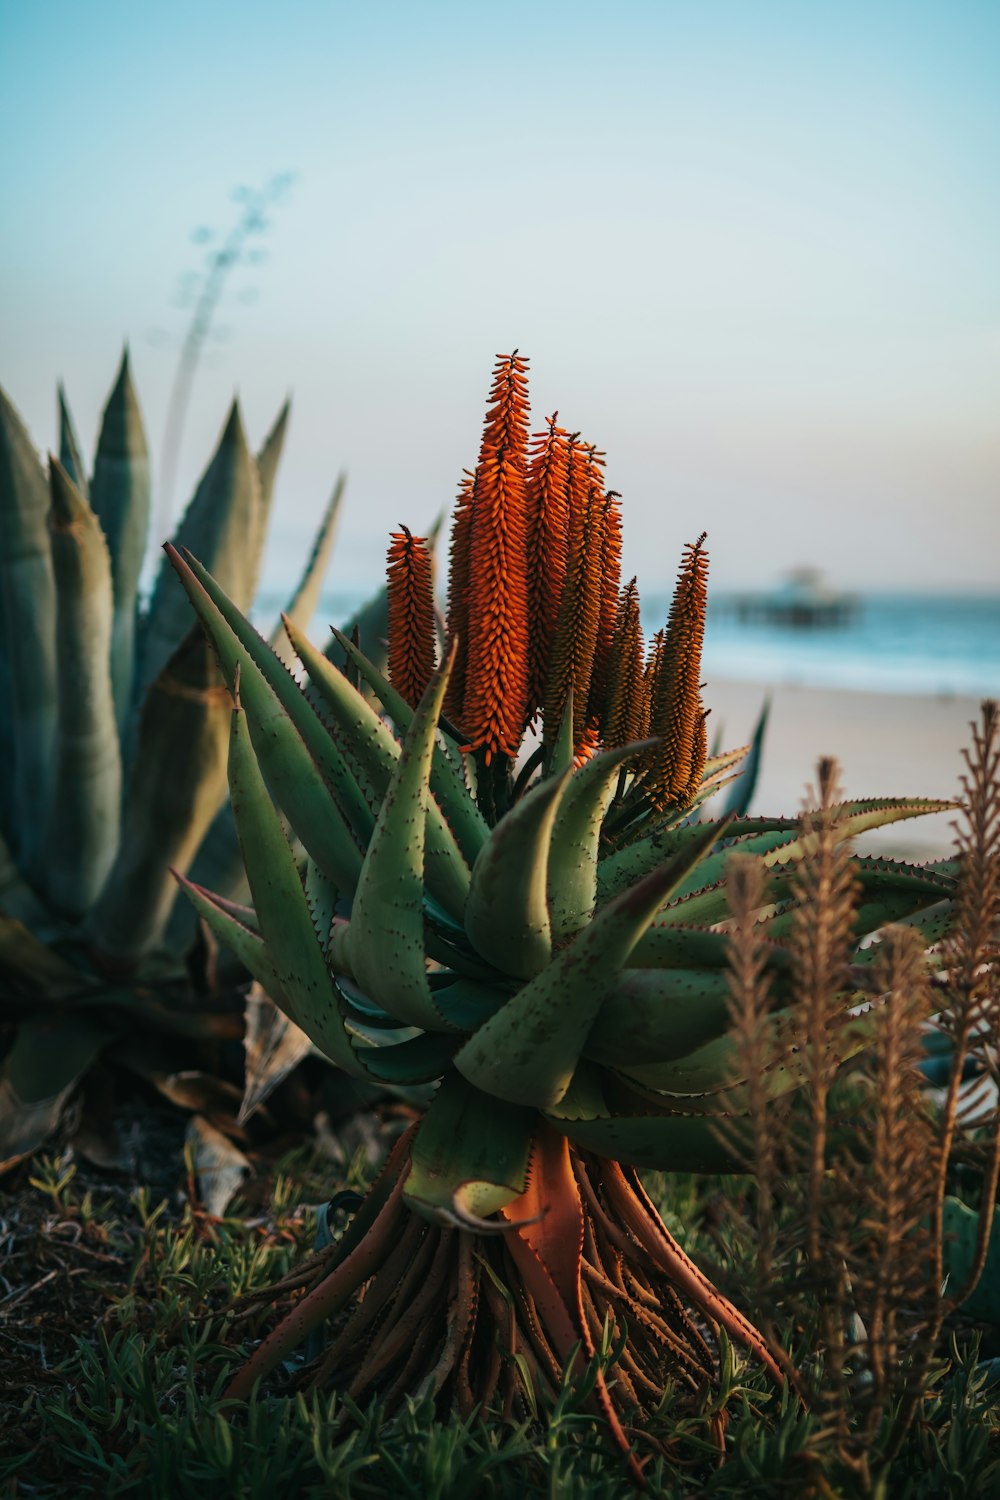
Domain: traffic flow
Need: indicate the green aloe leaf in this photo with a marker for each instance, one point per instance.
(236, 641)
(620, 869)
(302, 605)
(890, 891)
(81, 829)
(677, 1142)
(655, 1015)
(573, 855)
(177, 786)
(448, 785)
(282, 910)
(28, 625)
(528, 1051)
(386, 934)
(742, 790)
(322, 896)
(666, 945)
(31, 970)
(222, 515)
(217, 867)
(507, 914)
(243, 941)
(17, 899)
(293, 749)
(470, 1157)
(119, 494)
(370, 626)
(960, 1243)
(69, 446)
(559, 758)
(37, 1076)
(268, 460)
(707, 1080)
(420, 1059)
(374, 754)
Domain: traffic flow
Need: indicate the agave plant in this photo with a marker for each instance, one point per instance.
(113, 756)
(533, 938)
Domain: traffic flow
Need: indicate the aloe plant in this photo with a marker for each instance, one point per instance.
(532, 933)
(113, 756)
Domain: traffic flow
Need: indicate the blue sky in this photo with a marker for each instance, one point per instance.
(752, 249)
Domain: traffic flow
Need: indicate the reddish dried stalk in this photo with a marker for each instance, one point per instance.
(411, 614)
(496, 684)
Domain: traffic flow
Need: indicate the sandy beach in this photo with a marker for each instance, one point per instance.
(887, 744)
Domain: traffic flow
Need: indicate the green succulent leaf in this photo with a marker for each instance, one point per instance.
(242, 940)
(890, 891)
(327, 810)
(507, 915)
(420, 1059)
(81, 827)
(370, 626)
(374, 755)
(32, 970)
(471, 1155)
(677, 1142)
(386, 934)
(559, 759)
(119, 494)
(447, 781)
(742, 790)
(218, 867)
(27, 631)
(268, 460)
(177, 786)
(69, 446)
(657, 1014)
(223, 514)
(573, 854)
(302, 605)
(322, 896)
(48, 1056)
(282, 910)
(528, 1051)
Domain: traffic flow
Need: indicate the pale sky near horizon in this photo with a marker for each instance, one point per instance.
(751, 249)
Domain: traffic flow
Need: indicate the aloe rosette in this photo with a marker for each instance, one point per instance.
(537, 937)
(113, 746)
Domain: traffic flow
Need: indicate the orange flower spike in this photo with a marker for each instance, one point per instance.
(626, 697)
(547, 524)
(411, 615)
(611, 577)
(494, 708)
(676, 713)
(572, 659)
(458, 597)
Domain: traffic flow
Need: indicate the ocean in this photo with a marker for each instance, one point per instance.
(895, 643)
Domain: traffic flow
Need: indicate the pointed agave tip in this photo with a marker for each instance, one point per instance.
(233, 429)
(68, 505)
